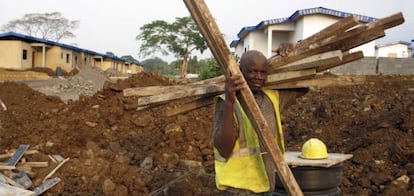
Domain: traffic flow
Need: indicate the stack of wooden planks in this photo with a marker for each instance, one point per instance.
(16, 173)
(324, 50)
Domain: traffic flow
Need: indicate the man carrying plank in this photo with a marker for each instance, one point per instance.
(241, 163)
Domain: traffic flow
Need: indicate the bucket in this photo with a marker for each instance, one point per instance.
(316, 179)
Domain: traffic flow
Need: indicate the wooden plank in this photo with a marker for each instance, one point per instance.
(359, 40)
(215, 80)
(320, 81)
(293, 159)
(289, 76)
(329, 31)
(345, 59)
(156, 90)
(46, 186)
(222, 54)
(7, 167)
(8, 190)
(10, 181)
(203, 89)
(8, 155)
(34, 164)
(151, 90)
(189, 106)
(311, 61)
(17, 155)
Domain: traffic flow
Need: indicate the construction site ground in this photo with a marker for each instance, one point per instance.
(115, 149)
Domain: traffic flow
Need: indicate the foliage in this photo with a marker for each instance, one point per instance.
(129, 58)
(110, 53)
(211, 70)
(156, 65)
(179, 38)
(50, 26)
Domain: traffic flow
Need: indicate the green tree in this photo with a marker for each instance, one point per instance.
(110, 53)
(179, 38)
(155, 65)
(210, 69)
(51, 26)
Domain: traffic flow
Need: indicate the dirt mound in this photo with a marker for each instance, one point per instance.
(116, 149)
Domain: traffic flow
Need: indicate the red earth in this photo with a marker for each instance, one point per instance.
(115, 149)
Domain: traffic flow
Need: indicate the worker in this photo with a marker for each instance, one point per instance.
(242, 165)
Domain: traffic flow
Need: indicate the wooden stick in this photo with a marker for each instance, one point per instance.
(54, 170)
(12, 182)
(8, 190)
(204, 89)
(329, 31)
(311, 61)
(345, 59)
(34, 164)
(221, 52)
(8, 155)
(7, 167)
(189, 106)
(289, 76)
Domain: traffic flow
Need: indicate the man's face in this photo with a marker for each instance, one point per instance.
(255, 76)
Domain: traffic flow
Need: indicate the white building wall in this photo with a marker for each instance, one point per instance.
(367, 49)
(298, 34)
(315, 23)
(395, 50)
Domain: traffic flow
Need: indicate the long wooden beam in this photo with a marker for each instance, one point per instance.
(340, 26)
(204, 101)
(205, 89)
(222, 54)
(345, 59)
(311, 61)
(290, 76)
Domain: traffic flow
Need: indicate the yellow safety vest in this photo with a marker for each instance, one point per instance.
(245, 169)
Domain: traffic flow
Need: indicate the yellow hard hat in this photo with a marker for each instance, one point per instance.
(314, 149)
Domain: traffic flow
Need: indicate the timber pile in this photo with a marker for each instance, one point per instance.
(16, 172)
(324, 50)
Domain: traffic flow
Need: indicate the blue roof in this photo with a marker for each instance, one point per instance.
(399, 42)
(299, 13)
(31, 39)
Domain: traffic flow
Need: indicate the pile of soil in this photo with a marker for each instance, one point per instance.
(115, 149)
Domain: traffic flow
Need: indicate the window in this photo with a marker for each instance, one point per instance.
(24, 54)
(61, 55)
(67, 58)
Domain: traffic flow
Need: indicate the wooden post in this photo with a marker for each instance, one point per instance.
(221, 52)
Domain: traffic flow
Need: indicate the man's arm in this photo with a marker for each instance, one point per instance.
(225, 133)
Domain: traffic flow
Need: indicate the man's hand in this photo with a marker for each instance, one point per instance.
(285, 48)
(234, 83)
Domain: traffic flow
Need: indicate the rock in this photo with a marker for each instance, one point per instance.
(108, 186)
(147, 163)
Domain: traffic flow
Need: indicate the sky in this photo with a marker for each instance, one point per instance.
(113, 25)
